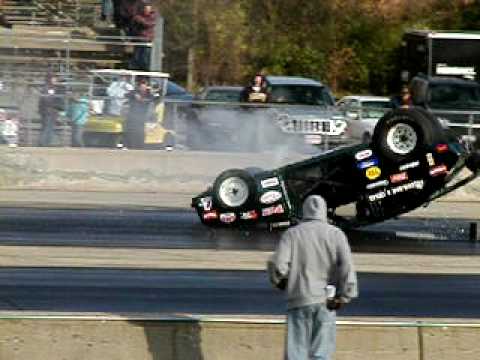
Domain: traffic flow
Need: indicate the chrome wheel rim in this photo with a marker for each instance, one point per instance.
(233, 191)
(402, 139)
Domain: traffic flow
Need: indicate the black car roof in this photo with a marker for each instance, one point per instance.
(439, 80)
(291, 80)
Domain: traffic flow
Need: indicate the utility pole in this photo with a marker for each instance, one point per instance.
(191, 49)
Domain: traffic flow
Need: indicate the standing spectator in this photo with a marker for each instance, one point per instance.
(107, 11)
(123, 13)
(309, 259)
(77, 112)
(117, 92)
(404, 100)
(256, 92)
(3, 20)
(144, 26)
(50, 104)
(139, 111)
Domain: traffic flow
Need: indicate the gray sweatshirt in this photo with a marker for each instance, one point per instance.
(312, 255)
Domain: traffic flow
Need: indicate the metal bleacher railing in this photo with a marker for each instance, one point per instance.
(58, 37)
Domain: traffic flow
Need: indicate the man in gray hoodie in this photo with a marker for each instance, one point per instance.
(312, 259)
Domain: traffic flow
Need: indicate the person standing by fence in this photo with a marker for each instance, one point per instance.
(311, 260)
(50, 104)
(78, 111)
(143, 25)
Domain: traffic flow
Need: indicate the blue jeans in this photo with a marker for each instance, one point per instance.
(311, 333)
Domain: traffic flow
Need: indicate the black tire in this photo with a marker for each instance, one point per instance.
(402, 133)
(242, 182)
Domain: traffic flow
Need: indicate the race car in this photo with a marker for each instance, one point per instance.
(410, 161)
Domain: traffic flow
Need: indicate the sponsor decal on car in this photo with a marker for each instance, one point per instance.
(270, 182)
(228, 218)
(366, 164)
(249, 215)
(414, 185)
(430, 159)
(377, 184)
(373, 173)
(396, 178)
(364, 154)
(273, 210)
(438, 170)
(410, 165)
(441, 148)
(210, 215)
(206, 203)
(270, 197)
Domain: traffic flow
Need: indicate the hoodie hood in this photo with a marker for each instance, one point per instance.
(315, 208)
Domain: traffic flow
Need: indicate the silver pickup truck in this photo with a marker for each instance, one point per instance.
(294, 112)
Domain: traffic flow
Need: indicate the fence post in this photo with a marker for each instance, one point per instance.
(156, 56)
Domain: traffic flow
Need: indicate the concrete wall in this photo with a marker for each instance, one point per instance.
(188, 339)
(118, 170)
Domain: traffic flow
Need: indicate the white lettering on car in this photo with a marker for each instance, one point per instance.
(410, 165)
(377, 184)
(270, 197)
(270, 182)
(364, 154)
(273, 210)
(414, 185)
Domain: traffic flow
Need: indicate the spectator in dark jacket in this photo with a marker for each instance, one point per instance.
(123, 13)
(139, 111)
(144, 27)
(50, 104)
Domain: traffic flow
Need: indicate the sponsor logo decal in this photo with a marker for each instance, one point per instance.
(270, 182)
(210, 215)
(414, 185)
(411, 165)
(438, 170)
(249, 215)
(273, 210)
(441, 148)
(396, 178)
(270, 197)
(366, 164)
(362, 155)
(206, 203)
(378, 184)
(228, 218)
(430, 159)
(373, 173)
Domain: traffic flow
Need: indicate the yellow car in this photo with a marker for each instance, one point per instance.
(108, 96)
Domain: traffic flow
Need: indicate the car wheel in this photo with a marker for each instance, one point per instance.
(402, 133)
(234, 189)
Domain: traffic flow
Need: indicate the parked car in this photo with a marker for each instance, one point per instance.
(362, 114)
(177, 92)
(221, 94)
(409, 162)
(455, 101)
(297, 111)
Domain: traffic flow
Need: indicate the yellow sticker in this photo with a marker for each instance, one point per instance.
(373, 173)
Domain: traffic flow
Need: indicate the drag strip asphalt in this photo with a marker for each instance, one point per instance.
(117, 291)
(181, 229)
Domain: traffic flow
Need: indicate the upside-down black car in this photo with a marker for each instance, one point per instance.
(410, 161)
